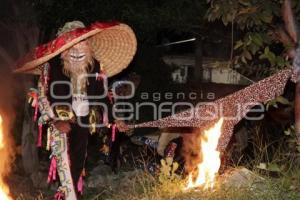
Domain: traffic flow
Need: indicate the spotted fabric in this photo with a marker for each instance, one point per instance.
(236, 104)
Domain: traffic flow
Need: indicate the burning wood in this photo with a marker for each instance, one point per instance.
(208, 168)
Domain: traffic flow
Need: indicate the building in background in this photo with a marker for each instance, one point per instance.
(214, 70)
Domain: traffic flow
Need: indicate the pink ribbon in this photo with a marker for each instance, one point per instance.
(60, 196)
(80, 185)
(40, 132)
(52, 170)
(113, 132)
(36, 108)
(105, 117)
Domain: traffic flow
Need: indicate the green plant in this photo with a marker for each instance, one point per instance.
(257, 48)
(279, 99)
(168, 169)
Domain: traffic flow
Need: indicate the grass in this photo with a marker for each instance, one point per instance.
(147, 187)
(279, 185)
(144, 186)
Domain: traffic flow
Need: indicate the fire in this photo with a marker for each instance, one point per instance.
(4, 190)
(3, 193)
(207, 170)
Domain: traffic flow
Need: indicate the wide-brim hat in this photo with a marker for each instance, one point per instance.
(113, 44)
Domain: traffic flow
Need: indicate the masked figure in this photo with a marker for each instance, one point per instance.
(72, 96)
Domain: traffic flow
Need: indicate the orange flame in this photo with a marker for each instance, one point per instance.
(4, 190)
(207, 170)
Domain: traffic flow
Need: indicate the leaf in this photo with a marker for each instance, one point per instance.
(163, 162)
(267, 50)
(283, 100)
(257, 39)
(262, 166)
(271, 103)
(161, 179)
(292, 127)
(253, 48)
(266, 17)
(267, 106)
(238, 44)
(269, 167)
(165, 170)
(263, 56)
(244, 60)
(225, 20)
(169, 161)
(247, 54)
(273, 167)
(268, 55)
(272, 57)
(287, 132)
(175, 167)
(245, 2)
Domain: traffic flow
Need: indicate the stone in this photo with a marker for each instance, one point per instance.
(98, 177)
(241, 177)
(97, 181)
(100, 169)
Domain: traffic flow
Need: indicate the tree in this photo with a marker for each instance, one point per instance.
(265, 44)
(261, 46)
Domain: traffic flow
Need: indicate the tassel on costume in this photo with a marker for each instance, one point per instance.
(40, 132)
(36, 109)
(59, 196)
(52, 170)
(105, 117)
(113, 132)
(101, 76)
(33, 100)
(80, 185)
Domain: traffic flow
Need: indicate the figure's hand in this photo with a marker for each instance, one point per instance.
(121, 125)
(63, 126)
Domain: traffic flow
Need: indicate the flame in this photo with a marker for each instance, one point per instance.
(4, 190)
(207, 170)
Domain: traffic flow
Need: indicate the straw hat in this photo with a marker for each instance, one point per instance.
(113, 44)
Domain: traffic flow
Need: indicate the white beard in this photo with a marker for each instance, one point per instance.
(77, 63)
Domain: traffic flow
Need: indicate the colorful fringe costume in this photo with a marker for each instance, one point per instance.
(68, 98)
